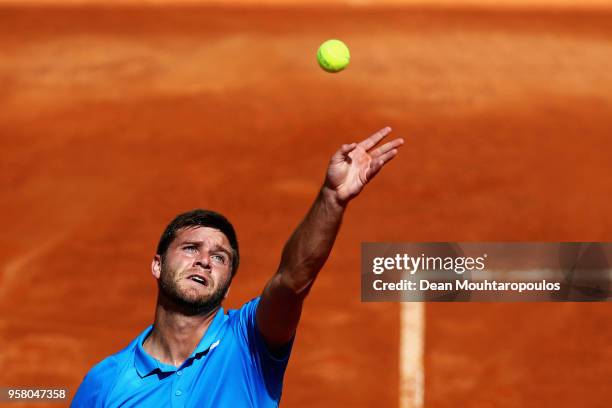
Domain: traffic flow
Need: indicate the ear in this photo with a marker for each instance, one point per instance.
(156, 266)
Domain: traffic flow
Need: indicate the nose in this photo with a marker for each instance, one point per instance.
(203, 261)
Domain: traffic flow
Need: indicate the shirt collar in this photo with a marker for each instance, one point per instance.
(145, 364)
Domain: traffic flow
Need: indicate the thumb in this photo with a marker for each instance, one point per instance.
(340, 155)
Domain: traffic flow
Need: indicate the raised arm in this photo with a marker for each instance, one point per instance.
(349, 170)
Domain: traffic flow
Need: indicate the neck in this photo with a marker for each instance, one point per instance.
(176, 334)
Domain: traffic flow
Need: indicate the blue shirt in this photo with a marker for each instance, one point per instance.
(230, 367)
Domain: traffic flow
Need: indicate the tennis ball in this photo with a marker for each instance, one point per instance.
(333, 55)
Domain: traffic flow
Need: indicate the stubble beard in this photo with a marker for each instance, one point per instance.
(189, 305)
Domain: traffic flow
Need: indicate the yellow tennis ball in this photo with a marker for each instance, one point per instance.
(333, 55)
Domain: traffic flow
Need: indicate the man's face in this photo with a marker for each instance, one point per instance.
(196, 270)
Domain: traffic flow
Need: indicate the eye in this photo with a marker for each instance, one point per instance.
(190, 248)
(219, 258)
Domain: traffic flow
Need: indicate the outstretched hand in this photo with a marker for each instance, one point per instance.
(356, 164)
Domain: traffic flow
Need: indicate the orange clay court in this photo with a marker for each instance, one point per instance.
(115, 118)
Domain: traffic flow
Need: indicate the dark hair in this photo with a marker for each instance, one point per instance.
(200, 218)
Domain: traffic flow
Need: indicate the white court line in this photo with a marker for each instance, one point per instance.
(412, 336)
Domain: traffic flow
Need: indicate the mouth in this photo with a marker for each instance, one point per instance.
(199, 279)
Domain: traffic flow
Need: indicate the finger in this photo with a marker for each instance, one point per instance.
(388, 156)
(380, 162)
(387, 147)
(340, 155)
(371, 141)
(347, 148)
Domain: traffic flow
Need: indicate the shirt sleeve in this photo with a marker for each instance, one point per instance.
(271, 366)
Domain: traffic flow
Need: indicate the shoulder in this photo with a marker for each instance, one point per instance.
(114, 362)
(248, 307)
(245, 316)
(101, 378)
(244, 323)
(104, 370)
(98, 380)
